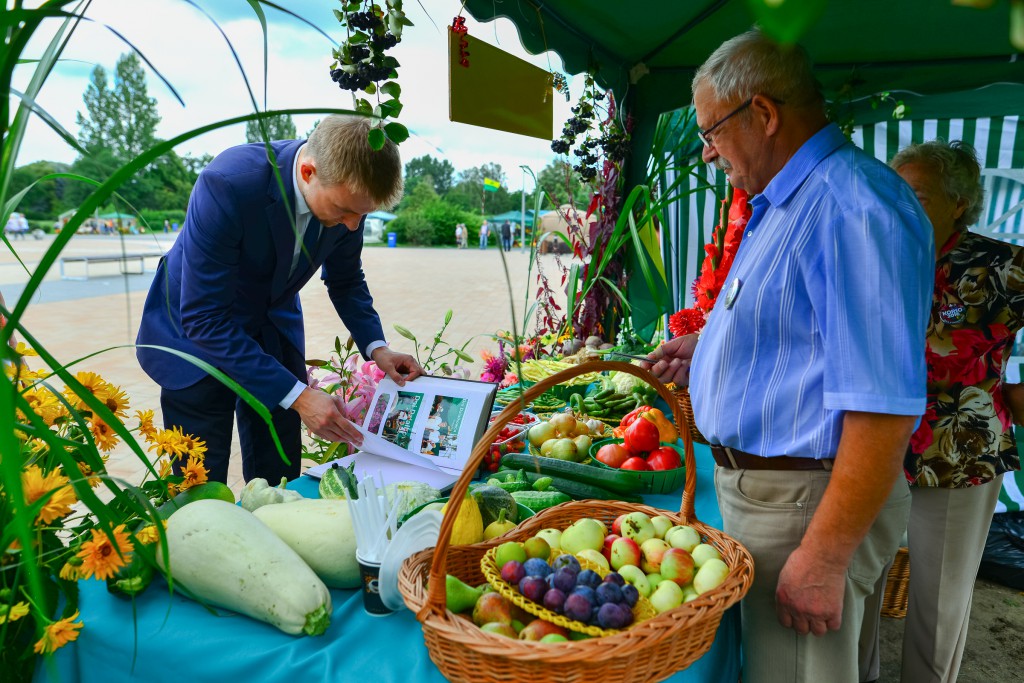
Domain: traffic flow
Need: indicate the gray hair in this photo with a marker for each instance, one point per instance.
(956, 165)
(340, 148)
(753, 64)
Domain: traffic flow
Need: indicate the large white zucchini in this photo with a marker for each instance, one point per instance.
(320, 531)
(224, 556)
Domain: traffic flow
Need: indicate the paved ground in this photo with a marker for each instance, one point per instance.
(411, 287)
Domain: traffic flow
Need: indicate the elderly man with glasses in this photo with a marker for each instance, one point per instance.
(809, 376)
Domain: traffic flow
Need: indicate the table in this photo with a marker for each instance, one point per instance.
(173, 638)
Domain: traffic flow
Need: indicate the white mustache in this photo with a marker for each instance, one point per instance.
(722, 165)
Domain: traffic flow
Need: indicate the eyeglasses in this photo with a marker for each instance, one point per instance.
(705, 135)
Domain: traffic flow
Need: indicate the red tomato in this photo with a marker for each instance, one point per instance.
(636, 464)
(641, 436)
(613, 455)
(664, 458)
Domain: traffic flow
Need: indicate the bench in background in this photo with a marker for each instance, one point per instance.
(123, 260)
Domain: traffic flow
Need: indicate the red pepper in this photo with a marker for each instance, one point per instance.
(632, 415)
(641, 436)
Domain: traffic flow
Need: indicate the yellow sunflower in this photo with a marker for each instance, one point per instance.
(43, 403)
(13, 612)
(105, 437)
(36, 485)
(89, 475)
(194, 473)
(23, 349)
(71, 572)
(58, 634)
(99, 555)
(168, 442)
(116, 400)
(193, 447)
(146, 427)
(94, 384)
(148, 534)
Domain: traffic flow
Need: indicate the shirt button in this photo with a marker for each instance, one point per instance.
(750, 233)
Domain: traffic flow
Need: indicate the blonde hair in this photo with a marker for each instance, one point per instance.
(340, 149)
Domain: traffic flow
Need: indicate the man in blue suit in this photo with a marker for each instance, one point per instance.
(228, 291)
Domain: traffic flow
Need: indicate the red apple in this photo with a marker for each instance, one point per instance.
(636, 464)
(538, 628)
(677, 566)
(617, 524)
(612, 455)
(653, 551)
(664, 458)
(607, 550)
(624, 551)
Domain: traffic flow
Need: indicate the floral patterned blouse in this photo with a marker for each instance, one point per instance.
(966, 435)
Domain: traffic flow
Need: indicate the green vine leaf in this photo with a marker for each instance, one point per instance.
(391, 89)
(398, 134)
(370, 89)
(364, 107)
(376, 138)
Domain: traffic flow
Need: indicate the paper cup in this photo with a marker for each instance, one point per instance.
(370, 574)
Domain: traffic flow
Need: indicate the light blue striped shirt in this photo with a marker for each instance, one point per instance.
(836, 271)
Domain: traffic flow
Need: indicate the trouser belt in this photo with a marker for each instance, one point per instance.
(738, 460)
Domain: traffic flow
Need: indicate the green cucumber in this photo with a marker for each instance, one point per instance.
(577, 490)
(540, 500)
(613, 480)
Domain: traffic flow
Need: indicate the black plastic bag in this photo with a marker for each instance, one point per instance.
(1003, 559)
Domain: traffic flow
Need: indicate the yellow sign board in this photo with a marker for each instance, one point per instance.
(489, 87)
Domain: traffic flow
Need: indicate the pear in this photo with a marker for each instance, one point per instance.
(459, 596)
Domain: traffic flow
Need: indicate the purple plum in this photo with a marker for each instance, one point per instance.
(608, 592)
(513, 572)
(577, 607)
(537, 567)
(588, 577)
(612, 615)
(630, 594)
(564, 580)
(533, 588)
(616, 578)
(567, 561)
(554, 600)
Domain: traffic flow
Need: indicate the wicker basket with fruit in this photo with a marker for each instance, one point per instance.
(651, 649)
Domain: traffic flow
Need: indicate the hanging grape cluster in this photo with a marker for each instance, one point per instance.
(605, 138)
(362, 59)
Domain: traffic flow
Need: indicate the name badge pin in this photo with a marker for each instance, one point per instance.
(953, 314)
(734, 290)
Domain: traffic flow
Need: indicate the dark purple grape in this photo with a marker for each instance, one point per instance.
(533, 588)
(566, 560)
(554, 600)
(608, 592)
(564, 580)
(612, 615)
(577, 607)
(537, 567)
(615, 578)
(630, 594)
(588, 577)
(513, 572)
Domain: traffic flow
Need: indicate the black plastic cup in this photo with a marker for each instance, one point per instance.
(370, 583)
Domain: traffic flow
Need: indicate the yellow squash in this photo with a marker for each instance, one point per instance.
(469, 524)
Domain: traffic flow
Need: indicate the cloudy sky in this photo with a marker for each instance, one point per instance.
(188, 50)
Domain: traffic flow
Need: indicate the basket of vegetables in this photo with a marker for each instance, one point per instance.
(434, 581)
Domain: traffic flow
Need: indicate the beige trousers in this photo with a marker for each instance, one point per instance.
(945, 540)
(768, 512)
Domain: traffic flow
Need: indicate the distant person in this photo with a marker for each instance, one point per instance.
(458, 235)
(167, 226)
(506, 236)
(485, 232)
(227, 292)
(465, 236)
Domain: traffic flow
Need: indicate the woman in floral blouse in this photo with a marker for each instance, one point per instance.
(964, 443)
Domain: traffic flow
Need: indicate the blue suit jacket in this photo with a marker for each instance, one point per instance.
(223, 292)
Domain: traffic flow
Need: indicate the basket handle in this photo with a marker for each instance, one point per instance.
(439, 566)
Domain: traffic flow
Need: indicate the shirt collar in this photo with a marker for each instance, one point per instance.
(791, 177)
(301, 207)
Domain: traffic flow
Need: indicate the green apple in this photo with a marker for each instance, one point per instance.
(636, 576)
(582, 534)
(685, 537)
(666, 596)
(689, 593)
(594, 557)
(638, 526)
(704, 552)
(661, 525)
(553, 537)
(654, 579)
(508, 551)
(710, 575)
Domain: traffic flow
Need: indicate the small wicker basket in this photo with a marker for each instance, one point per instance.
(894, 600)
(650, 650)
(682, 396)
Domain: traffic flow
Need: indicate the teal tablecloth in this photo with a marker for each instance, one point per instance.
(173, 638)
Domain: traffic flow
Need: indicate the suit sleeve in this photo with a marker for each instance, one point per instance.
(211, 260)
(347, 288)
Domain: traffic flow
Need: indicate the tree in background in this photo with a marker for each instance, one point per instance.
(466, 194)
(557, 179)
(440, 171)
(277, 128)
(45, 201)
(122, 118)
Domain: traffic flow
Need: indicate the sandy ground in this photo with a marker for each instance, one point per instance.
(413, 288)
